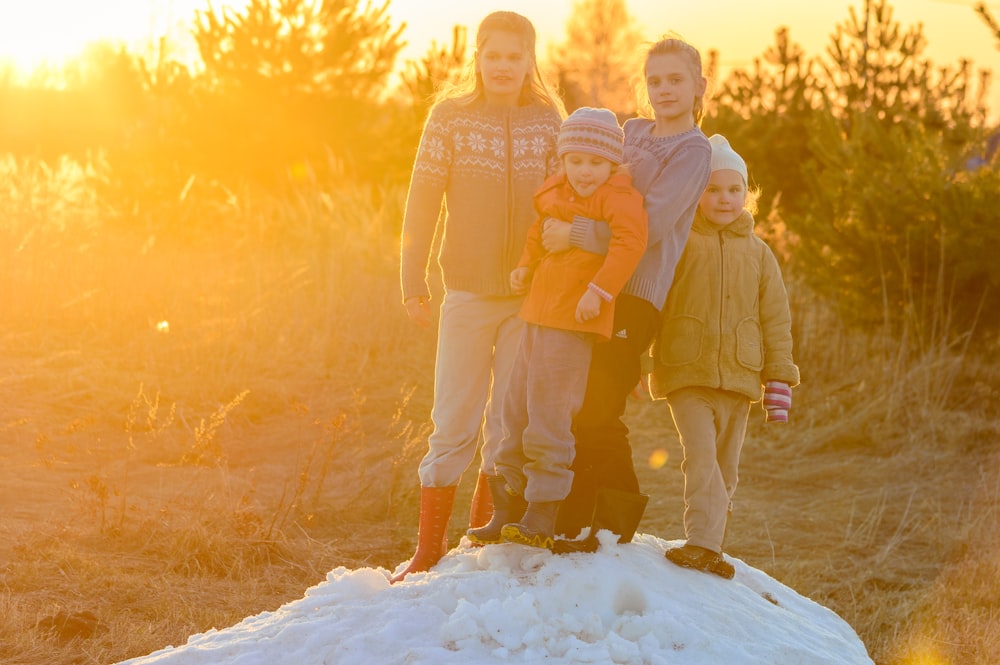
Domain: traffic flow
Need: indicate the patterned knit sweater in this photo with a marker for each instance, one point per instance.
(485, 162)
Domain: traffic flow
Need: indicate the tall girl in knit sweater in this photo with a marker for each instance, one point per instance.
(488, 143)
(726, 340)
(668, 156)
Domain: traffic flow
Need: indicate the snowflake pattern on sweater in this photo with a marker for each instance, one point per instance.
(485, 164)
(454, 142)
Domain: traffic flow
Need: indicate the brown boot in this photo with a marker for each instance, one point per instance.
(432, 534)
(700, 558)
(482, 503)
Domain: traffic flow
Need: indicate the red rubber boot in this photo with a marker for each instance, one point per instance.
(432, 541)
(482, 503)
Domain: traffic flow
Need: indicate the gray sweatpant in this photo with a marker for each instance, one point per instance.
(545, 392)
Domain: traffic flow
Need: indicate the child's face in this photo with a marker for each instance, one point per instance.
(724, 197)
(672, 86)
(503, 64)
(586, 172)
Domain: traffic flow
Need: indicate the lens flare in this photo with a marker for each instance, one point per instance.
(658, 458)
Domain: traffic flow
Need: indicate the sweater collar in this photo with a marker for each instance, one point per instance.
(517, 110)
(648, 126)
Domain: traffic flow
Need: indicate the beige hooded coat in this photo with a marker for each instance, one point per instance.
(726, 321)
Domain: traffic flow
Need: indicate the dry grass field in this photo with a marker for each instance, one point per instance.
(206, 407)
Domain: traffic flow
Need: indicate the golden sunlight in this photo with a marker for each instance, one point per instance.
(52, 33)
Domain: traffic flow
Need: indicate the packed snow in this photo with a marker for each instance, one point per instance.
(512, 603)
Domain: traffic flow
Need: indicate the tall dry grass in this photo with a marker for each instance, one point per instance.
(200, 398)
(211, 401)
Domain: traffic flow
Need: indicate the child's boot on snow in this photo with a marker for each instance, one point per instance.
(482, 502)
(536, 527)
(701, 558)
(615, 510)
(432, 533)
(507, 507)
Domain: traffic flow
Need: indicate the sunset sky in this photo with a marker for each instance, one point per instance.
(52, 29)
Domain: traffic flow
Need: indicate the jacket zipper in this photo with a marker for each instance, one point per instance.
(722, 300)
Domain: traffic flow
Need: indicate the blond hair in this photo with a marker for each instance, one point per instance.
(469, 86)
(673, 44)
(751, 199)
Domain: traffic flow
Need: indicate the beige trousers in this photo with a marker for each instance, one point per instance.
(478, 337)
(712, 425)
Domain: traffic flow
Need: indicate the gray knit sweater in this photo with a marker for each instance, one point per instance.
(671, 172)
(485, 163)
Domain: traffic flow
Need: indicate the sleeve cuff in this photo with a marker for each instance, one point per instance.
(607, 297)
(579, 230)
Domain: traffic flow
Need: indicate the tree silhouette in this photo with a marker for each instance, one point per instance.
(329, 47)
(866, 149)
(988, 19)
(293, 80)
(601, 56)
(888, 200)
(441, 63)
(769, 110)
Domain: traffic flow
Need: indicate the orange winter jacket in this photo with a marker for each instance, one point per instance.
(559, 280)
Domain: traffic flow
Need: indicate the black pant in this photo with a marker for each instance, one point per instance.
(603, 454)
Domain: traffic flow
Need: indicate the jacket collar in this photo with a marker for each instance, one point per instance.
(741, 226)
(560, 180)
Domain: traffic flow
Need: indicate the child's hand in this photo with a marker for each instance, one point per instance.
(519, 280)
(588, 307)
(418, 311)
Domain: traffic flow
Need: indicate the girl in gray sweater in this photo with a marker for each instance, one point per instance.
(669, 158)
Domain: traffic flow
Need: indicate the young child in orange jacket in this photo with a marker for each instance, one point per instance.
(569, 306)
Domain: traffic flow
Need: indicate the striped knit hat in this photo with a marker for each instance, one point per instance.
(593, 131)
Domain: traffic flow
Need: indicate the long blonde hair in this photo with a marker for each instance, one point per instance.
(469, 86)
(673, 44)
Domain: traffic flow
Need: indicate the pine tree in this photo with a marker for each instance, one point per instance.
(600, 58)
(293, 81)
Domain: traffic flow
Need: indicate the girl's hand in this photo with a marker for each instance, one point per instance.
(588, 307)
(555, 235)
(519, 280)
(418, 311)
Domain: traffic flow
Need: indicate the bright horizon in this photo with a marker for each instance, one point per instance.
(54, 31)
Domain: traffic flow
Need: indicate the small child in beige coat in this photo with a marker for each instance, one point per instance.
(726, 338)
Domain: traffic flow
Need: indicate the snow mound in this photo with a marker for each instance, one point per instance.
(624, 604)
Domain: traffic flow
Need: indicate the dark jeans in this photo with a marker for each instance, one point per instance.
(603, 454)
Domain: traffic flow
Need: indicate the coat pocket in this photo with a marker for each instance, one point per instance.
(681, 340)
(750, 345)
